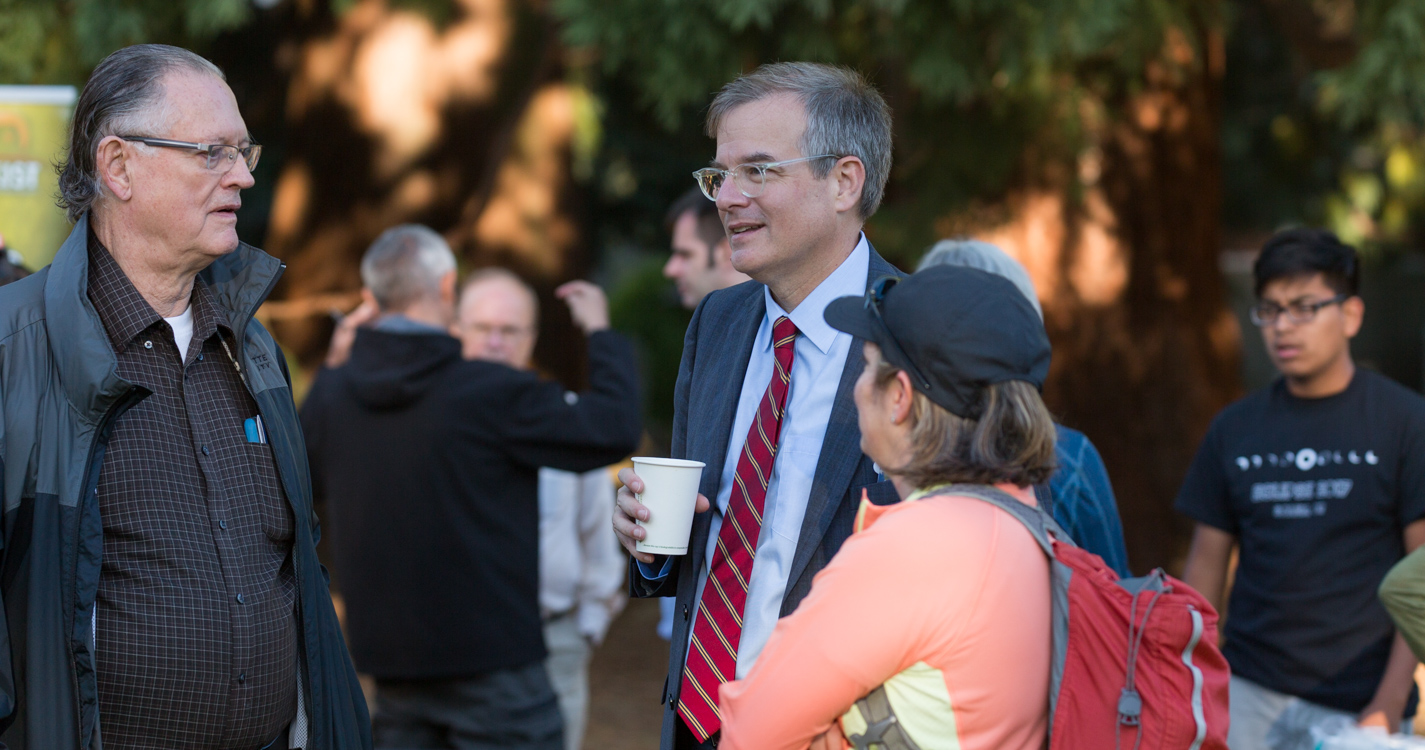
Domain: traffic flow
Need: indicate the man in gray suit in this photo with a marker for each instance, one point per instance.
(764, 391)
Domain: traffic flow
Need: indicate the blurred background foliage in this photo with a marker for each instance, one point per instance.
(59, 41)
(1124, 150)
(1327, 128)
(1322, 125)
(973, 83)
(1321, 112)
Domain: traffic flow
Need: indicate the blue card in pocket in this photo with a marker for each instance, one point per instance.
(256, 431)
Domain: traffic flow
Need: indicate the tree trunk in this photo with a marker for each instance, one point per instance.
(1145, 348)
(389, 116)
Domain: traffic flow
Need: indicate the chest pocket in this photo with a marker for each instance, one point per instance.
(793, 477)
(272, 507)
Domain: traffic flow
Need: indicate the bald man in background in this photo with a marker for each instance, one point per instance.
(581, 569)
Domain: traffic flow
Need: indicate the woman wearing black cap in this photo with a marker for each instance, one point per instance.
(937, 611)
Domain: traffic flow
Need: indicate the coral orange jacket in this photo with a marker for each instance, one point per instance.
(943, 599)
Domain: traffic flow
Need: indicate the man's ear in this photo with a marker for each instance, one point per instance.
(111, 161)
(1353, 310)
(849, 175)
(447, 287)
(369, 298)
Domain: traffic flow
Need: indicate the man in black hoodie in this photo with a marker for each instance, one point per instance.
(429, 464)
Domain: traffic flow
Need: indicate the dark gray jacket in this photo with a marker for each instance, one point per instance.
(60, 395)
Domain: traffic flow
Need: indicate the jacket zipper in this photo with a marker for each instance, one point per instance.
(241, 341)
(125, 402)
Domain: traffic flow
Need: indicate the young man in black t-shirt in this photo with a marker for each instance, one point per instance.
(1319, 480)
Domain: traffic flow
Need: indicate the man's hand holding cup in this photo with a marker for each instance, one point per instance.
(666, 496)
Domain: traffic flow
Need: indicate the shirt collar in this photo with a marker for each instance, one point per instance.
(125, 313)
(849, 279)
(398, 323)
(208, 317)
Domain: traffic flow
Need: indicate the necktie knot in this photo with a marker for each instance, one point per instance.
(784, 332)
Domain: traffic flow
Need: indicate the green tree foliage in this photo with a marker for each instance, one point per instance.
(1386, 80)
(986, 91)
(644, 307)
(958, 51)
(1379, 197)
(973, 83)
(59, 41)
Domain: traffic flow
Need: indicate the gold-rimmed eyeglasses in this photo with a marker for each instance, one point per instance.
(750, 178)
(221, 156)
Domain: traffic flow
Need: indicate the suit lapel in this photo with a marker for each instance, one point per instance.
(840, 449)
(716, 389)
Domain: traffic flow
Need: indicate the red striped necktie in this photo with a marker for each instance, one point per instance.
(712, 657)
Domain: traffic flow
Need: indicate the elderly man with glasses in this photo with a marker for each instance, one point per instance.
(764, 391)
(161, 585)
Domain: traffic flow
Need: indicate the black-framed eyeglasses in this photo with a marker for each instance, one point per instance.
(875, 298)
(221, 156)
(750, 178)
(1266, 313)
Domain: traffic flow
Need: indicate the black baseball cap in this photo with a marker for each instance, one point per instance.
(955, 330)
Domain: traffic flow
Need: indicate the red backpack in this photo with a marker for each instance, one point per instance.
(1135, 660)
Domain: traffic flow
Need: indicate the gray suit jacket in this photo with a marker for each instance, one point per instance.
(715, 354)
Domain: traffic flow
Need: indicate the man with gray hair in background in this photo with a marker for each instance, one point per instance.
(161, 584)
(428, 464)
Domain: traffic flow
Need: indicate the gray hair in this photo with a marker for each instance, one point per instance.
(846, 116)
(986, 257)
(124, 96)
(404, 266)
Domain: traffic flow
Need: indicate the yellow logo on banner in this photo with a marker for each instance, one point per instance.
(34, 124)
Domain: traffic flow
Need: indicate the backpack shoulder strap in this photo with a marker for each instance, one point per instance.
(1045, 531)
(1045, 495)
(1040, 524)
(883, 729)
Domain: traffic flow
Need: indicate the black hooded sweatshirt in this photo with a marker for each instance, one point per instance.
(428, 465)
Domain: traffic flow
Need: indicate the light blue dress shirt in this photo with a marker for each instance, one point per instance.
(820, 357)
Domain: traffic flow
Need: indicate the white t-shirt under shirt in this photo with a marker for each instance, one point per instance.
(182, 326)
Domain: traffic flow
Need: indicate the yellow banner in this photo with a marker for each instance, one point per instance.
(34, 125)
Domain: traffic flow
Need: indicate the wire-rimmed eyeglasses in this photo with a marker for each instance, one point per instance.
(1265, 314)
(221, 156)
(750, 178)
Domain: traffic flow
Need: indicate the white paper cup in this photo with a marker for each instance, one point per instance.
(670, 490)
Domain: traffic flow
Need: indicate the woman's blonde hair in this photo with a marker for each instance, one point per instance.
(1013, 441)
